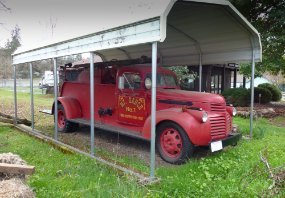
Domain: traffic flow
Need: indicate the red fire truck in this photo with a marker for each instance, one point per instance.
(184, 119)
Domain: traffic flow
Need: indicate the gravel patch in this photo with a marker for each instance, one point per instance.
(13, 185)
(15, 188)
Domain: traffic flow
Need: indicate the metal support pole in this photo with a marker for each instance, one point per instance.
(32, 96)
(92, 103)
(200, 72)
(55, 99)
(252, 94)
(15, 97)
(153, 109)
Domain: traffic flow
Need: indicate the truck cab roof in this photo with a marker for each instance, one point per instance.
(144, 69)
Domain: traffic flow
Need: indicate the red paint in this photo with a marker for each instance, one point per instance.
(131, 108)
(171, 142)
(72, 107)
(61, 119)
(190, 121)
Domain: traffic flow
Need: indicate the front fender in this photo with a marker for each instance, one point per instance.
(198, 132)
(71, 106)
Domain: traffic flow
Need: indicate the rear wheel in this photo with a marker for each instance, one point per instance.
(173, 143)
(63, 124)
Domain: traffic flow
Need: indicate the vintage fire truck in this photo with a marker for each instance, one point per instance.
(184, 120)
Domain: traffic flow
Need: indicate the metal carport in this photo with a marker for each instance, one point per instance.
(186, 32)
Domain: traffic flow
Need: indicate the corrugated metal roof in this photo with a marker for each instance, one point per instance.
(184, 29)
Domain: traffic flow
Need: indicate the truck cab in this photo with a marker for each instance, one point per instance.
(47, 80)
(122, 95)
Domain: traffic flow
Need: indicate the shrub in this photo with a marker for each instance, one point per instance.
(275, 92)
(237, 96)
(266, 95)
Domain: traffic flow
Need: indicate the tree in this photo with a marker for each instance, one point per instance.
(4, 7)
(184, 76)
(15, 42)
(269, 19)
(6, 52)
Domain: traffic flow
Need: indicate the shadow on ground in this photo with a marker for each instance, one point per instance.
(119, 145)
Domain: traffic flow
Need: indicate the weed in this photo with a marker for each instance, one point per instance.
(259, 133)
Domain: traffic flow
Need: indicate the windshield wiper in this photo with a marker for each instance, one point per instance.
(130, 86)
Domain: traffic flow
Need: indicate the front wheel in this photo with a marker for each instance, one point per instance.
(173, 143)
(63, 124)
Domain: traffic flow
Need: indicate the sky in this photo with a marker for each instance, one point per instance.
(48, 21)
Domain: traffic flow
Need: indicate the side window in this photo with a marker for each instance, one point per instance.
(109, 75)
(132, 80)
(72, 75)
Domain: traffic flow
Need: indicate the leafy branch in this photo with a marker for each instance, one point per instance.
(4, 6)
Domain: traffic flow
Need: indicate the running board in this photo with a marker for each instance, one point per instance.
(113, 129)
(46, 111)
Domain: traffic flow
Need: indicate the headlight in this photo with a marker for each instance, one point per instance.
(204, 117)
(234, 111)
(147, 83)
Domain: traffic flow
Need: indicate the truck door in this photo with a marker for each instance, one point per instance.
(132, 100)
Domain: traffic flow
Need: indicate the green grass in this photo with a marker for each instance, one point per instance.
(66, 175)
(24, 95)
(42, 122)
(233, 172)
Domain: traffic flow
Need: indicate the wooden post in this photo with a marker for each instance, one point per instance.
(208, 74)
(235, 78)
(223, 79)
(16, 169)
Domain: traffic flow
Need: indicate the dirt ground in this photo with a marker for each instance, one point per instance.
(119, 145)
(123, 146)
(115, 145)
(13, 185)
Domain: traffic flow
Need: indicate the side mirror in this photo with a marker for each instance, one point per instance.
(121, 83)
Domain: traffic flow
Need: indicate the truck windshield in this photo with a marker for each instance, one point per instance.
(164, 80)
(132, 80)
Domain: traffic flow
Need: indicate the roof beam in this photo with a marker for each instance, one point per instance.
(137, 33)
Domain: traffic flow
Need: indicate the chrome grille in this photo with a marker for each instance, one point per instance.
(218, 107)
(218, 126)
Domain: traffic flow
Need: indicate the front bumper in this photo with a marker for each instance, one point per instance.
(232, 139)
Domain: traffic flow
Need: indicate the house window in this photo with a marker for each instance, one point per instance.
(216, 83)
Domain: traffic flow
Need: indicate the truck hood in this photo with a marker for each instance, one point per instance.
(188, 96)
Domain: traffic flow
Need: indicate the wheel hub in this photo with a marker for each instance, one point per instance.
(171, 142)
(61, 119)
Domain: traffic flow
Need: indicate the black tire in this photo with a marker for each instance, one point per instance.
(68, 126)
(186, 147)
